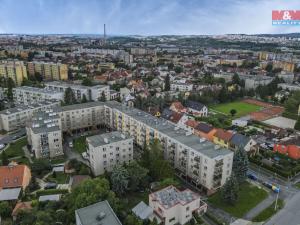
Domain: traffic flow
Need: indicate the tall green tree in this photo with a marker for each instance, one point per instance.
(240, 165)
(137, 175)
(10, 86)
(119, 179)
(69, 97)
(233, 112)
(297, 125)
(230, 191)
(4, 159)
(132, 220)
(5, 209)
(167, 83)
(89, 192)
(153, 160)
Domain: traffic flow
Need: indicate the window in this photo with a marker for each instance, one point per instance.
(170, 220)
(187, 208)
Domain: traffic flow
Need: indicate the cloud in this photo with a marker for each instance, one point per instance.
(143, 17)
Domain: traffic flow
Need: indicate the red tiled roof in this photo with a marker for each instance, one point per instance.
(223, 135)
(178, 106)
(176, 117)
(21, 206)
(12, 176)
(192, 123)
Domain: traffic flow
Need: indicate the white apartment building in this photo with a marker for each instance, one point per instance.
(172, 206)
(93, 93)
(181, 85)
(44, 134)
(253, 81)
(107, 150)
(29, 95)
(15, 118)
(204, 163)
(82, 116)
(290, 87)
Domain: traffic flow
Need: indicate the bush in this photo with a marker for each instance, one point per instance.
(214, 219)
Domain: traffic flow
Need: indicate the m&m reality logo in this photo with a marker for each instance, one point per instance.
(286, 17)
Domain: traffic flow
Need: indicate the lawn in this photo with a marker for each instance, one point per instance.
(80, 144)
(268, 212)
(59, 178)
(15, 148)
(249, 197)
(242, 108)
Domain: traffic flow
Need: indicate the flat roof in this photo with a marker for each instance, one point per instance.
(169, 129)
(74, 86)
(107, 138)
(36, 90)
(9, 194)
(98, 213)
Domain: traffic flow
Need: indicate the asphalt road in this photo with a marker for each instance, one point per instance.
(11, 137)
(289, 215)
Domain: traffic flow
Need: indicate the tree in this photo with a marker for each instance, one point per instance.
(236, 79)
(119, 179)
(89, 192)
(69, 97)
(10, 86)
(87, 82)
(4, 159)
(167, 83)
(5, 209)
(40, 165)
(233, 112)
(230, 191)
(240, 165)
(153, 160)
(132, 220)
(102, 97)
(137, 175)
(269, 67)
(38, 77)
(83, 100)
(178, 69)
(297, 125)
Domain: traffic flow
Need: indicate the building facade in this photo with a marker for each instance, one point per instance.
(49, 71)
(15, 118)
(172, 206)
(29, 95)
(16, 70)
(93, 93)
(44, 134)
(107, 150)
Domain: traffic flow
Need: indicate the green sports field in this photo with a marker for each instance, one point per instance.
(242, 108)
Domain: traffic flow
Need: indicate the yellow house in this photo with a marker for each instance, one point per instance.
(222, 138)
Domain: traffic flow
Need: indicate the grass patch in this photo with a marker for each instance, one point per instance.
(249, 197)
(242, 108)
(51, 192)
(58, 160)
(268, 212)
(80, 144)
(15, 148)
(59, 178)
(297, 185)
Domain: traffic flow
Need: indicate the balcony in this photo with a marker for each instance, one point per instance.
(184, 152)
(197, 159)
(219, 163)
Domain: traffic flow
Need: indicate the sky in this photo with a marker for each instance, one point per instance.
(143, 17)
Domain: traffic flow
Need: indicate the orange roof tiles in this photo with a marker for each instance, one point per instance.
(13, 176)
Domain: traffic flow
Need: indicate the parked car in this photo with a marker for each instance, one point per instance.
(50, 185)
(2, 146)
(71, 144)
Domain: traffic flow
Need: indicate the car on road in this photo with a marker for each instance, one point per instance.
(71, 144)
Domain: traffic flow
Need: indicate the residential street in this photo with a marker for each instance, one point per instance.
(289, 215)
